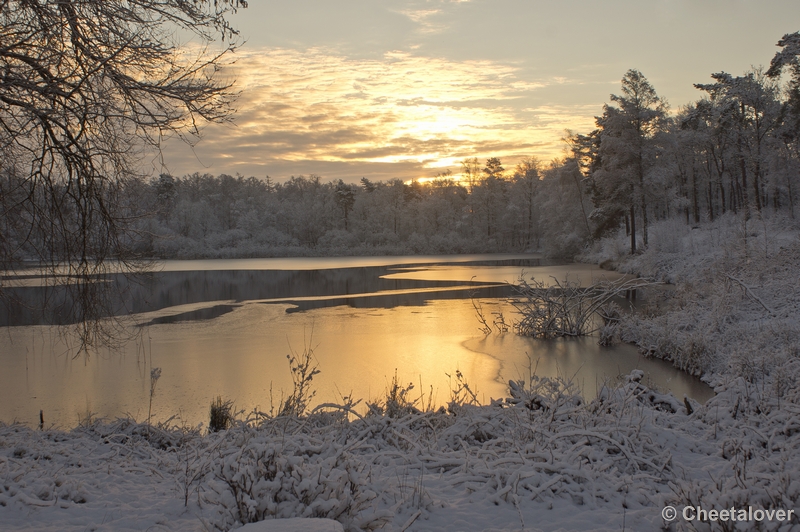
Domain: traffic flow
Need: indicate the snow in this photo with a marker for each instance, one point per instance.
(295, 524)
(543, 458)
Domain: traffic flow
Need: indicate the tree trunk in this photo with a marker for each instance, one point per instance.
(695, 205)
(643, 201)
(789, 192)
(710, 202)
(745, 195)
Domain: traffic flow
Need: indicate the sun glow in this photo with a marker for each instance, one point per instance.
(398, 115)
(453, 179)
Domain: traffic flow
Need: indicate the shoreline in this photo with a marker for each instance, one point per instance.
(542, 456)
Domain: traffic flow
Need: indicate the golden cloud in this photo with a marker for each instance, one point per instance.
(303, 111)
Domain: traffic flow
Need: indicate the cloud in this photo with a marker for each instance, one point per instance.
(400, 115)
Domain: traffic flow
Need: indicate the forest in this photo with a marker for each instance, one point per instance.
(736, 149)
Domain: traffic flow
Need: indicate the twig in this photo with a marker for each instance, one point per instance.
(411, 520)
(750, 293)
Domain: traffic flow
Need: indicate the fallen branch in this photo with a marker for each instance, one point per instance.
(750, 294)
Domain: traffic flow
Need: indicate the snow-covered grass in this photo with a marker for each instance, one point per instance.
(544, 458)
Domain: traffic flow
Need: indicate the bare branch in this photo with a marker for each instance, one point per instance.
(86, 88)
(748, 290)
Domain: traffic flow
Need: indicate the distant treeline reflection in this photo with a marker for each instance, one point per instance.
(357, 287)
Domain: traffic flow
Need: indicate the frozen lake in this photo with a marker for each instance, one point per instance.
(224, 328)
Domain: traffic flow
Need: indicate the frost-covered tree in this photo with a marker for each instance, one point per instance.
(561, 204)
(628, 150)
(706, 129)
(524, 187)
(751, 107)
(345, 196)
(788, 59)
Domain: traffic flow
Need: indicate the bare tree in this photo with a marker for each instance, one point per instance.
(87, 89)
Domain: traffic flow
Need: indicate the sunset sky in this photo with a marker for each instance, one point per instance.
(399, 88)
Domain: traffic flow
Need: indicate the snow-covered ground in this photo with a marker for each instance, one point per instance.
(542, 459)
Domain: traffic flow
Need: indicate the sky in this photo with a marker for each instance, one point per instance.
(407, 89)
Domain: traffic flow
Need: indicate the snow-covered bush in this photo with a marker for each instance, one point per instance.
(563, 246)
(666, 236)
(567, 308)
(338, 242)
(293, 478)
(397, 401)
(544, 456)
(756, 432)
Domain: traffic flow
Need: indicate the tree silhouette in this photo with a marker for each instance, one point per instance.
(88, 89)
(628, 149)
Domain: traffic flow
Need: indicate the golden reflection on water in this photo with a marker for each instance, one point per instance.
(241, 356)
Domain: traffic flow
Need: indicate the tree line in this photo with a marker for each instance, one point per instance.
(736, 149)
(492, 209)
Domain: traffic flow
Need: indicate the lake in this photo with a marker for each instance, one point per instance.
(225, 327)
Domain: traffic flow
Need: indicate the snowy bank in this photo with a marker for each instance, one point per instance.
(734, 305)
(543, 459)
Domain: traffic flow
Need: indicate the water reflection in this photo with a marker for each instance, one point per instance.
(175, 286)
(228, 333)
(505, 273)
(192, 315)
(584, 362)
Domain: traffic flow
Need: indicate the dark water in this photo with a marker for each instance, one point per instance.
(331, 282)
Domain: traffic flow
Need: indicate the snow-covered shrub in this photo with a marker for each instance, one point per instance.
(461, 393)
(608, 251)
(633, 389)
(563, 246)
(397, 401)
(666, 236)
(383, 238)
(418, 243)
(610, 314)
(544, 393)
(447, 244)
(566, 308)
(303, 367)
(756, 433)
(224, 240)
(295, 478)
(272, 236)
(675, 337)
